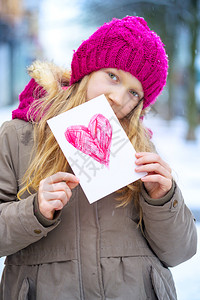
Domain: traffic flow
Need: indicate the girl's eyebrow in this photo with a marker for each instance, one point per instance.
(111, 70)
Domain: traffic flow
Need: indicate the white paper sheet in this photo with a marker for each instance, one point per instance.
(96, 147)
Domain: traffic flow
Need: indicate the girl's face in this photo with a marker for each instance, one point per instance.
(122, 90)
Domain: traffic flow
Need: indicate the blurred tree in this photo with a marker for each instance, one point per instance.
(18, 44)
(10, 14)
(11, 10)
(190, 15)
(165, 17)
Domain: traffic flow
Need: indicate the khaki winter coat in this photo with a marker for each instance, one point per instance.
(91, 251)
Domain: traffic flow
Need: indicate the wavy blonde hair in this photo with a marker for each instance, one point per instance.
(48, 158)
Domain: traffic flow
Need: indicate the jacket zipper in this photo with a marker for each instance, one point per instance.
(98, 256)
(78, 247)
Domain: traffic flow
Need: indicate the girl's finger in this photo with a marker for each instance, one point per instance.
(62, 176)
(62, 196)
(154, 168)
(72, 185)
(56, 204)
(165, 183)
(148, 157)
(59, 186)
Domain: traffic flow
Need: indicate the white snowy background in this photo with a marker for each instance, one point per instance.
(184, 158)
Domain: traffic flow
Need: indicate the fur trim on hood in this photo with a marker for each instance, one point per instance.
(47, 79)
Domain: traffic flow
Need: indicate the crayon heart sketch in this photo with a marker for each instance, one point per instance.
(94, 140)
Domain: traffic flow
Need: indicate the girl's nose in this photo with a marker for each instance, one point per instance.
(116, 97)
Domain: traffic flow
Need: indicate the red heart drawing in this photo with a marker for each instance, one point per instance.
(94, 140)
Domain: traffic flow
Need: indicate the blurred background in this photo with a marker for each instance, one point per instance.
(52, 29)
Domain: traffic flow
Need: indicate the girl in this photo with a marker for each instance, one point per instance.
(58, 246)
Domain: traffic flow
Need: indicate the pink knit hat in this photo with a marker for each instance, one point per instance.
(127, 44)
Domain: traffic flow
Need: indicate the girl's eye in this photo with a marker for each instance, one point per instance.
(112, 76)
(135, 94)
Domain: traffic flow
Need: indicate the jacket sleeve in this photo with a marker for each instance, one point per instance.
(169, 227)
(19, 226)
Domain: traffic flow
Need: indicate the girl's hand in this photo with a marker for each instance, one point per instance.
(158, 181)
(54, 192)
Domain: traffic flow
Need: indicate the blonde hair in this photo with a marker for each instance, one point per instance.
(48, 157)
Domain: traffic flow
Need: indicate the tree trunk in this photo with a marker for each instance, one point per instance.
(192, 113)
(170, 109)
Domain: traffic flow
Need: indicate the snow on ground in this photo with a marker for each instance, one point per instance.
(183, 157)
